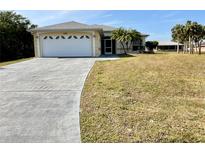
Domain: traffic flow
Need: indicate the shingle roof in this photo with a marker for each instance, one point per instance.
(104, 27)
(72, 25)
(166, 43)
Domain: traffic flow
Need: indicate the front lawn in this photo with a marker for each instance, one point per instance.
(13, 61)
(147, 98)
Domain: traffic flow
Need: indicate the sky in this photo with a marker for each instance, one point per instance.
(157, 24)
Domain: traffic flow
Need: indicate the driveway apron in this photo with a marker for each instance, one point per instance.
(40, 98)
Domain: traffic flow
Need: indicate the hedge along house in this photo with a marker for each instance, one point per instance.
(73, 39)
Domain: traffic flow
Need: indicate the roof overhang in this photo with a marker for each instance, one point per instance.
(65, 30)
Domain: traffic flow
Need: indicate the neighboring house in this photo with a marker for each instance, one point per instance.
(73, 39)
(203, 46)
(169, 46)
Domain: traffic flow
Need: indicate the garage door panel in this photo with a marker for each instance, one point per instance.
(64, 46)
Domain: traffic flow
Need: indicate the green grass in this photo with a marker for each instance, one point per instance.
(13, 61)
(146, 98)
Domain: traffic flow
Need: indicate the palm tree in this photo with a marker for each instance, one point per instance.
(178, 35)
(118, 35)
(190, 30)
(126, 37)
(135, 36)
(189, 34)
(198, 35)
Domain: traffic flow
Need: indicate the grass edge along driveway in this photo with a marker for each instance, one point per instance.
(147, 98)
(14, 61)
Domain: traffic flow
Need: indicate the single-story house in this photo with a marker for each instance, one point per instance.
(203, 46)
(73, 39)
(169, 46)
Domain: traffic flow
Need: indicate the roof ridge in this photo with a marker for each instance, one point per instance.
(64, 23)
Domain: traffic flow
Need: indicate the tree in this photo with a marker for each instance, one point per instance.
(151, 45)
(178, 35)
(198, 35)
(189, 34)
(135, 36)
(126, 37)
(190, 30)
(16, 41)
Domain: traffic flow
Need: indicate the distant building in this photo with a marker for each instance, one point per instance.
(203, 46)
(169, 46)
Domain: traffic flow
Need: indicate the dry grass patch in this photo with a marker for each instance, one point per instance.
(147, 98)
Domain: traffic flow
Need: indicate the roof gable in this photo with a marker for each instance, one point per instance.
(73, 25)
(65, 25)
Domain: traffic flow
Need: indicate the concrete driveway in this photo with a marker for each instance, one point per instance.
(40, 98)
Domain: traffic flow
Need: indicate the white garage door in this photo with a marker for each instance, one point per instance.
(66, 45)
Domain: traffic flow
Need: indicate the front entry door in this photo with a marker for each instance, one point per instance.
(108, 46)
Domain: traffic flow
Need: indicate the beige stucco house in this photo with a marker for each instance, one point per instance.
(73, 39)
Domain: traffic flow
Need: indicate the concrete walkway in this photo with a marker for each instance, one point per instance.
(40, 98)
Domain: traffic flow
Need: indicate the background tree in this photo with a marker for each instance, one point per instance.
(15, 40)
(179, 35)
(191, 35)
(151, 45)
(190, 30)
(126, 37)
(198, 36)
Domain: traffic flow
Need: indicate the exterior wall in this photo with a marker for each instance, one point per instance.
(203, 48)
(169, 48)
(95, 36)
(97, 44)
(37, 50)
(106, 33)
(35, 45)
(119, 49)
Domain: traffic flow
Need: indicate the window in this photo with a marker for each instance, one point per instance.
(62, 37)
(75, 37)
(50, 37)
(87, 36)
(45, 37)
(57, 37)
(69, 37)
(81, 37)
